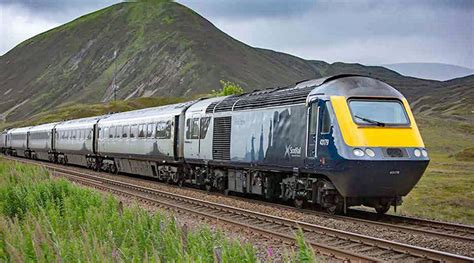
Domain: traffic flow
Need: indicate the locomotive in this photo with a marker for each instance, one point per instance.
(334, 142)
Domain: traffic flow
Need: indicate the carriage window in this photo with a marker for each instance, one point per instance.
(125, 131)
(74, 134)
(119, 132)
(101, 135)
(89, 134)
(106, 132)
(204, 126)
(195, 128)
(141, 131)
(149, 130)
(163, 130)
(81, 134)
(326, 121)
(134, 131)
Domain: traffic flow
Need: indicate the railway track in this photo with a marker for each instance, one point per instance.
(436, 228)
(330, 242)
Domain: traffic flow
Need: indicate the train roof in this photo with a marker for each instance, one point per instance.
(43, 127)
(80, 123)
(343, 85)
(202, 105)
(19, 130)
(166, 110)
(355, 86)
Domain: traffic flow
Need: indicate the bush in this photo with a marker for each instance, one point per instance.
(228, 88)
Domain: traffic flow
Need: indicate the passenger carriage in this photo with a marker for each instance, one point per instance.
(41, 142)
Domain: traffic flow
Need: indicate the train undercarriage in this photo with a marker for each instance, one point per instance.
(300, 189)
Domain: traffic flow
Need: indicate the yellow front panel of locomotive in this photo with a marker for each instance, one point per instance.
(374, 136)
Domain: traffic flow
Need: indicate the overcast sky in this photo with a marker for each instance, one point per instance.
(370, 32)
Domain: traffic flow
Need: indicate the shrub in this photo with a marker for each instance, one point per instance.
(228, 88)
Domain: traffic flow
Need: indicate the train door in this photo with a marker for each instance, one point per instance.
(313, 127)
(319, 128)
(193, 142)
(95, 137)
(54, 138)
(176, 138)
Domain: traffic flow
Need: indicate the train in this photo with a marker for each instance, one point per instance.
(329, 143)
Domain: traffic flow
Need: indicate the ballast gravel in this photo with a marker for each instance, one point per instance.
(403, 236)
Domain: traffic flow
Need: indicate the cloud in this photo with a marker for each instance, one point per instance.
(250, 9)
(23, 19)
(17, 25)
(365, 31)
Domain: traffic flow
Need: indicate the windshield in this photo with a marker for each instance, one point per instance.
(378, 112)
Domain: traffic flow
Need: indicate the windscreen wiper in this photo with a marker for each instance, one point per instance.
(378, 123)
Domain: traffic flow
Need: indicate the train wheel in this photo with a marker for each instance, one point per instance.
(335, 209)
(382, 208)
(113, 169)
(208, 187)
(299, 202)
(221, 184)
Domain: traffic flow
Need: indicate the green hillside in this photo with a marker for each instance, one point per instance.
(156, 49)
(163, 49)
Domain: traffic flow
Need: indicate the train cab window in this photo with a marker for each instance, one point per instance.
(326, 121)
(126, 130)
(378, 112)
(204, 126)
(141, 130)
(163, 130)
(149, 130)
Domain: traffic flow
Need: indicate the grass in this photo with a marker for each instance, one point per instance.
(446, 190)
(51, 220)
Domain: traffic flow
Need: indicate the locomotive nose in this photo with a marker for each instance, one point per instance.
(378, 178)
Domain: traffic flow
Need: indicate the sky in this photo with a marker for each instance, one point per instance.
(371, 32)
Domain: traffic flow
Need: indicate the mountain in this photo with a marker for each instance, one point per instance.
(160, 49)
(435, 71)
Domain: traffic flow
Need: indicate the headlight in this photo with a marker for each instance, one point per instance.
(417, 152)
(370, 152)
(424, 153)
(358, 152)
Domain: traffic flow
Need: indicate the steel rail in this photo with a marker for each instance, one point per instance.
(306, 227)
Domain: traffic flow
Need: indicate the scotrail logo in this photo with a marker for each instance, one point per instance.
(292, 151)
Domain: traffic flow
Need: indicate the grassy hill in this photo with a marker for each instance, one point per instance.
(162, 48)
(156, 49)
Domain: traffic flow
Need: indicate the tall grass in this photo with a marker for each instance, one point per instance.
(47, 220)
(52, 220)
